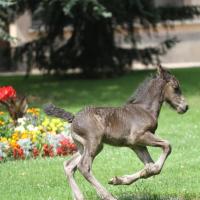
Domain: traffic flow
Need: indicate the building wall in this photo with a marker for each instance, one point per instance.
(188, 33)
(20, 29)
(176, 2)
(187, 50)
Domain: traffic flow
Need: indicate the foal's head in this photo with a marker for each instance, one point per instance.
(172, 91)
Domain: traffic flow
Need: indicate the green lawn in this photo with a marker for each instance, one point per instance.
(43, 179)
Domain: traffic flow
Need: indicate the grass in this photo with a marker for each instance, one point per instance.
(43, 179)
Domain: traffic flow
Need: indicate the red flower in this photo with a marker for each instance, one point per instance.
(18, 153)
(35, 152)
(66, 148)
(7, 92)
(73, 147)
(48, 150)
(59, 151)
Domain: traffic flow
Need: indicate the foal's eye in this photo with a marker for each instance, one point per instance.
(177, 90)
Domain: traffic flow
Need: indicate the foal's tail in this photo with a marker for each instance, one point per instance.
(52, 110)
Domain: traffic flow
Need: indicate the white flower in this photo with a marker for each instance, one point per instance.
(3, 147)
(67, 130)
(20, 128)
(26, 145)
(1, 153)
(30, 127)
(21, 121)
(52, 140)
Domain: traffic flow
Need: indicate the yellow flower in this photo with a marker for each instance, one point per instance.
(34, 111)
(34, 138)
(24, 135)
(41, 128)
(46, 122)
(15, 136)
(44, 134)
(2, 122)
(1, 113)
(52, 132)
(13, 143)
(52, 125)
(3, 139)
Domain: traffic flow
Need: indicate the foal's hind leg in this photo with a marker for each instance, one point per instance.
(70, 167)
(91, 148)
(147, 139)
(144, 156)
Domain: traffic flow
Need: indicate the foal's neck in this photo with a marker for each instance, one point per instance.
(152, 99)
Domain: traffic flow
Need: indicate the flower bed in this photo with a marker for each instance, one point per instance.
(34, 135)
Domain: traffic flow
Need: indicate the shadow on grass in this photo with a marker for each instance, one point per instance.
(77, 93)
(150, 197)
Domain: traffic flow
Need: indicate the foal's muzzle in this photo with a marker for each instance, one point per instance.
(182, 108)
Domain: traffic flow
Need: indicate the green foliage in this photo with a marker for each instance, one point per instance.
(6, 127)
(6, 3)
(4, 20)
(91, 48)
(178, 13)
(97, 8)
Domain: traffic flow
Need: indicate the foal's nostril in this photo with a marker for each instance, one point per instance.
(182, 108)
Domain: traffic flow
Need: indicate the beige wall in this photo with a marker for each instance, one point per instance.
(20, 29)
(176, 2)
(187, 50)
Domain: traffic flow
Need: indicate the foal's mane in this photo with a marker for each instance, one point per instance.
(142, 88)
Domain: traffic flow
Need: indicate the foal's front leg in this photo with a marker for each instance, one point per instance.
(143, 154)
(147, 139)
